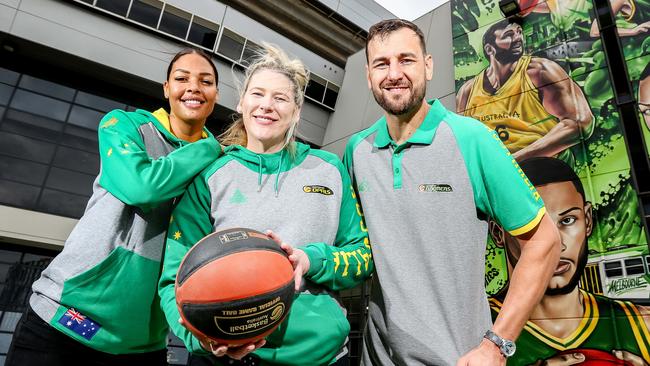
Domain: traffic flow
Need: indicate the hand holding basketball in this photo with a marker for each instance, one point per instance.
(297, 257)
(220, 350)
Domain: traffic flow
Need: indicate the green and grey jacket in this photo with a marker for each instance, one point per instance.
(309, 202)
(101, 289)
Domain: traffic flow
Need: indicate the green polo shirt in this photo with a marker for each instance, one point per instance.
(426, 202)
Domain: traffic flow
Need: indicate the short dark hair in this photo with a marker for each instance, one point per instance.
(388, 26)
(189, 51)
(489, 37)
(545, 170)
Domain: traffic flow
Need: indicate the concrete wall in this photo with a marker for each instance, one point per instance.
(20, 226)
(356, 108)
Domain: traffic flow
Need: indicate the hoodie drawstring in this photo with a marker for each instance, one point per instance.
(277, 174)
(259, 173)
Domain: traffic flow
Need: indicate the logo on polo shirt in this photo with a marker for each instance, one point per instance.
(435, 188)
(318, 189)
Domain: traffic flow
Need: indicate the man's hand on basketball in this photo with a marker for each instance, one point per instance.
(486, 354)
(297, 257)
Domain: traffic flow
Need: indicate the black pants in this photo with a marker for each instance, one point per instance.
(36, 343)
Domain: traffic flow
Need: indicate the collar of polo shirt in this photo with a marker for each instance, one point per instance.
(423, 135)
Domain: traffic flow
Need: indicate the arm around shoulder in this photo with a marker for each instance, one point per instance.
(134, 177)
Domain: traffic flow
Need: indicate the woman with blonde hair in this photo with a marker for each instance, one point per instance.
(263, 182)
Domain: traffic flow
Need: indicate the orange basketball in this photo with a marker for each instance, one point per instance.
(234, 287)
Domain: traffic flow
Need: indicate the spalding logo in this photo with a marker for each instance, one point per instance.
(318, 189)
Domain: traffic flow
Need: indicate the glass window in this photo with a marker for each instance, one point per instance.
(613, 269)
(77, 160)
(114, 6)
(69, 181)
(85, 117)
(9, 256)
(27, 124)
(61, 203)
(8, 76)
(18, 194)
(634, 266)
(22, 171)
(331, 93)
(41, 105)
(146, 12)
(203, 32)
(46, 87)
(647, 261)
(231, 44)
(80, 138)
(175, 21)
(95, 102)
(250, 50)
(316, 87)
(9, 321)
(26, 148)
(5, 93)
(5, 341)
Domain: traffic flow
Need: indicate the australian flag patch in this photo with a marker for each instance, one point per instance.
(79, 323)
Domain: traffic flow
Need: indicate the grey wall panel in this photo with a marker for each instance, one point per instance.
(449, 101)
(94, 37)
(363, 13)
(353, 97)
(439, 45)
(208, 9)
(315, 114)
(10, 3)
(311, 132)
(337, 147)
(7, 15)
(258, 33)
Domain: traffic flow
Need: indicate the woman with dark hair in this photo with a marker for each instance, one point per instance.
(96, 303)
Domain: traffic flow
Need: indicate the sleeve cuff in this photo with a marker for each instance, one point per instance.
(530, 225)
(316, 258)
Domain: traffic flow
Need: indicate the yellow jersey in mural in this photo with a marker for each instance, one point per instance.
(515, 111)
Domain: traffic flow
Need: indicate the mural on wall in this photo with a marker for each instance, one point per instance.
(542, 84)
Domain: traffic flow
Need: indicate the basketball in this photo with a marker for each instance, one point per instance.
(234, 287)
(594, 357)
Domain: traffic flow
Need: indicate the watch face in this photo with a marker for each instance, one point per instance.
(508, 348)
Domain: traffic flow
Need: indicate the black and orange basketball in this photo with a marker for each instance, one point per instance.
(234, 286)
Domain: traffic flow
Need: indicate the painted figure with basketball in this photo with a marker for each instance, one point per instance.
(267, 180)
(531, 102)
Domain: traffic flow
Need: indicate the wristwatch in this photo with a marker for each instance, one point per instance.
(506, 347)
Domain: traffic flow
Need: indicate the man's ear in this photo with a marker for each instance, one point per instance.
(489, 50)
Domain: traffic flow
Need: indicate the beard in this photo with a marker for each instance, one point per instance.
(507, 56)
(397, 108)
(575, 279)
